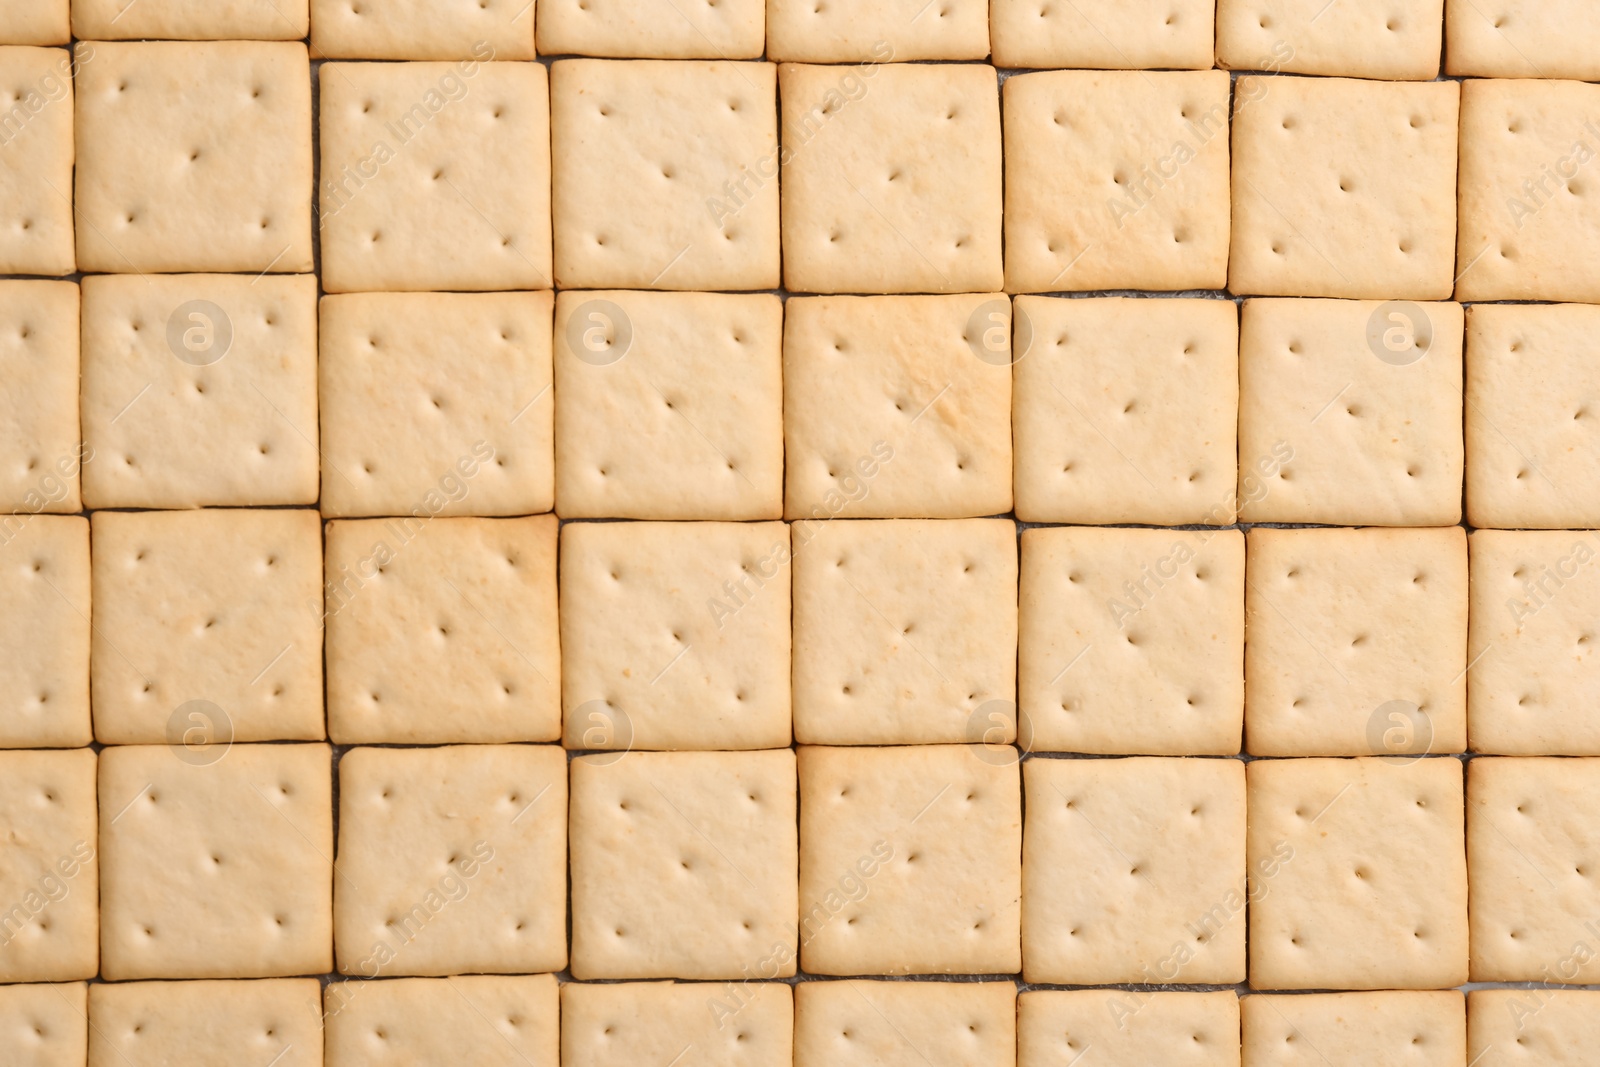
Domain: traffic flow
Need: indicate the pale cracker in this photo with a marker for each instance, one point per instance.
(194, 157)
(1390, 39)
(436, 395)
(683, 865)
(1148, 156)
(442, 630)
(1103, 34)
(652, 29)
(1522, 38)
(896, 407)
(1350, 412)
(44, 626)
(191, 20)
(422, 29)
(1343, 188)
(859, 31)
(665, 174)
(200, 390)
(49, 868)
(739, 1024)
(1550, 1027)
(1412, 1027)
(1127, 1028)
(485, 1020)
(675, 635)
(1126, 410)
(36, 138)
(856, 1023)
(278, 1021)
(905, 632)
(1534, 685)
(484, 832)
(37, 22)
(1356, 642)
(40, 457)
(669, 405)
(45, 1025)
(1132, 641)
(891, 179)
(218, 865)
(1360, 874)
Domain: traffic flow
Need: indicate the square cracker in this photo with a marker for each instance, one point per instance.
(1356, 642)
(1128, 141)
(483, 888)
(905, 632)
(49, 870)
(423, 394)
(40, 454)
(936, 833)
(905, 1024)
(1391, 39)
(1126, 410)
(200, 390)
(1124, 862)
(652, 29)
(867, 31)
(1343, 188)
(422, 29)
(1128, 1028)
(487, 1020)
(665, 174)
(435, 176)
(44, 626)
(891, 179)
(1534, 684)
(1414, 1027)
(1132, 641)
(1551, 1027)
(191, 20)
(206, 621)
(669, 405)
(206, 1022)
(1365, 873)
(36, 22)
(36, 95)
(748, 1024)
(683, 865)
(1102, 34)
(1350, 412)
(442, 631)
(172, 177)
(1522, 38)
(1527, 219)
(675, 635)
(45, 1025)
(897, 406)
(216, 862)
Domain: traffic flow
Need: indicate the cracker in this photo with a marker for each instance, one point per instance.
(665, 174)
(910, 861)
(422, 29)
(901, 1024)
(44, 626)
(1133, 640)
(669, 842)
(655, 29)
(1356, 642)
(1428, 1029)
(171, 178)
(200, 390)
(1149, 154)
(1126, 410)
(45, 1025)
(40, 455)
(1343, 188)
(891, 179)
(442, 630)
(675, 635)
(191, 20)
(206, 1022)
(669, 405)
(205, 628)
(39, 22)
(897, 407)
(1359, 874)
(1391, 39)
(435, 176)
(437, 398)
(905, 632)
(738, 1024)
(36, 134)
(1506, 1027)
(1114, 34)
(1127, 1028)
(1534, 686)
(1522, 38)
(219, 869)
(48, 867)
(1350, 412)
(484, 829)
(858, 31)
(479, 1019)
(1526, 221)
